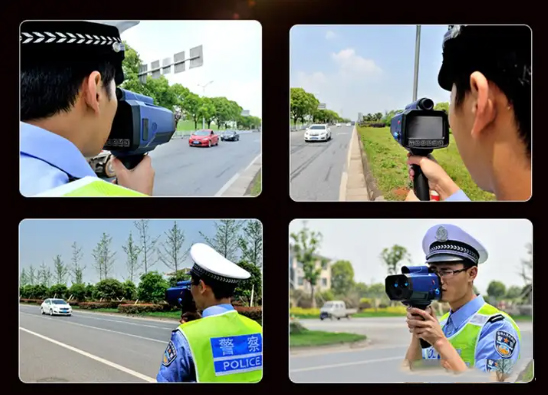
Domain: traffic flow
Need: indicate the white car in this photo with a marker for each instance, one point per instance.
(348, 124)
(336, 309)
(318, 132)
(338, 125)
(55, 307)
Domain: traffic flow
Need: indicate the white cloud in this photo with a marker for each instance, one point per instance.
(351, 63)
(330, 35)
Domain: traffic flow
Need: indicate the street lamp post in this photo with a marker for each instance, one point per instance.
(203, 90)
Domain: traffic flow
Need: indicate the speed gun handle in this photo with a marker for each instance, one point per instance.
(420, 184)
(424, 343)
(130, 162)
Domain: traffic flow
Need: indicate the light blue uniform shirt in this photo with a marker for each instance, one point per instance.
(46, 160)
(458, 196)
(180, 365)
(491, 335)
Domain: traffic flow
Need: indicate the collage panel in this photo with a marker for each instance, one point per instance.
(140, 301)
(410, 113)
(141, 108)
(411, 301)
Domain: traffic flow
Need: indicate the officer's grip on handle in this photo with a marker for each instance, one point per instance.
(424, 343)
(130, 162)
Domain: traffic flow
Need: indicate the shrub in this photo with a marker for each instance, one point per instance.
(365, 303)
(139, 308)
(97, 305)
(78, 292)
(255, 313)
(58, 291)
(110, 289)
(33, 301)
(152, 287)
(296, 328)
(299, 311)
(129, 290)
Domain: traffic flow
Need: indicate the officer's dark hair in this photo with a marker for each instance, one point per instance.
(220, 289)
(509, 67)
(49, 89)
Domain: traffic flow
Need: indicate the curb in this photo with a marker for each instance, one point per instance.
(239, 185)
(369, 180)
(353, 180)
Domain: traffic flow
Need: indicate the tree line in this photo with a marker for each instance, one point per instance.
(306, 244)
(238, 241)
(185, 104)
(304, 108)
(382, 120)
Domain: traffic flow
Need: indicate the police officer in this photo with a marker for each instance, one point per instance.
(222, 346)
(487, 69)
(69, 73)
(473, 333)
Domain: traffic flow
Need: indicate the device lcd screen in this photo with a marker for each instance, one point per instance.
(425, 127)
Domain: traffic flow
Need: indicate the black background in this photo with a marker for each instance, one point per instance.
(273, 207)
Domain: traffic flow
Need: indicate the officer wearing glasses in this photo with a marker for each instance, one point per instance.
(473, 334)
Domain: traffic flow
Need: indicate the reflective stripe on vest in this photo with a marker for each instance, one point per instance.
(90, 187)
(466, 339)
(225, 348)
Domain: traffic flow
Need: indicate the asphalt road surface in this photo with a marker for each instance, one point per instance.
(317, 167)
(201, 171)
(380, 361)
(90, 347)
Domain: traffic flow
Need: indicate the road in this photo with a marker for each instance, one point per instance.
(380, 361)
(101, 348)
(317, 167)
(183, 171)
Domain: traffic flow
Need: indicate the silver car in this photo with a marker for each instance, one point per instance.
(53, 306)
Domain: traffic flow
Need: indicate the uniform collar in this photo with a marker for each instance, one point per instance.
(459, 317)
(53, 149)
(216, 310)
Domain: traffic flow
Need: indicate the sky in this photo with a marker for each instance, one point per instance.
(232, 55)
(367, 68)
(361, 241)
(42, 240)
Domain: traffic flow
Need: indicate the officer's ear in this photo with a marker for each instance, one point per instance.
(92, 89)
(473, 272)
(483, 103)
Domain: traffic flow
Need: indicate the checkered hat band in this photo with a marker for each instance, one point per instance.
(200, 272)
(454, 248)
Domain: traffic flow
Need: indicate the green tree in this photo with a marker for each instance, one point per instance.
(306, 243)
(342, 277)
(130, 65)
(302, 104)
(172, 256)
(222, 111)
(59, 291)
(77, 270)
(129, 290)
(104, 258)
(24, 278)
(443, 106)
(253, 283)
(78, 292)
(110, 289)
(393, 257)
(207, 111)
(61, 271)
(147, 244)
(191, 107)
(514, 292)
(251, 242)
(361, 289)
(32, 276)
(152, 287)
(496, 290)
(132, 251)
(161, 92)
(45, 275)
(226, 240)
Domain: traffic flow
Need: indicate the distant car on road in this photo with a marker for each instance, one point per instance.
(203, 138)
(348, 124)
(317, 132)
(338, 125)
(102, 164)
(336, 309)
(53, 306)
(230, 135)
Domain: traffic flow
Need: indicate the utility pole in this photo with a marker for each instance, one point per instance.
(417, 53)
(203, 89)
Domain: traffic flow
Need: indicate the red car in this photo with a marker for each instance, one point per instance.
(203, 138)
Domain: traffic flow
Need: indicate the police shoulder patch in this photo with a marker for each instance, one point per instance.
(170, 354)
(491, 365)
(505, 344)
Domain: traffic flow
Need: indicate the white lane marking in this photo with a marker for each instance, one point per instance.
(103, 329)
(235, 177)
(332, 351)
(131, 323)
(94, 357)
(339, 365)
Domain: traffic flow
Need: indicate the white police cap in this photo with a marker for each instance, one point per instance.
(209, 263)
(449, 243)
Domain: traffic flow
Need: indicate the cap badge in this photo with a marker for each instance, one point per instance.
(117, 47)
(441, 234)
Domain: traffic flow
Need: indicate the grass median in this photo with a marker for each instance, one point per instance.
(257, 185)
(387, 163)
(302, 337)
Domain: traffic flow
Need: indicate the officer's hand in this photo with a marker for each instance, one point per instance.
(411, 317)
(140, 179)
(427, 328)
(438, 179)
